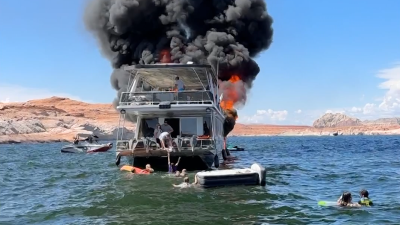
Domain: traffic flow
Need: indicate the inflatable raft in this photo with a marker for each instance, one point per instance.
(134, 170)
(255, 175)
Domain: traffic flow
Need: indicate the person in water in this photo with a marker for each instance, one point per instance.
(183, 173)
(365, 201)
(149, 169)
(185, 184)
(345, 200)
(173, 167)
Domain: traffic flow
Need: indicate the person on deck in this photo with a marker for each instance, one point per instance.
(76, 140)
(157, 133)
(179, 85)
(166, 127)
(165, 136)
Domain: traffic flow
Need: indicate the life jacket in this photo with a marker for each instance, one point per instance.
(365, 202)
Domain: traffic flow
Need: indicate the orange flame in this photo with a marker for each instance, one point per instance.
(165, 56)
(230, 94)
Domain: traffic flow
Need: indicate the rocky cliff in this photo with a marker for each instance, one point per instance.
(57, 119)
(341, 120)
(336, 120)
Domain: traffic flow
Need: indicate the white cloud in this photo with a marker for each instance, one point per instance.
(265, 116)
(335, 111)
(16, 93)
(389, 104)
(356, 110)
(298, 111)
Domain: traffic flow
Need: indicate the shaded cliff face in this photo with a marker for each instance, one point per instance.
(59, 118)
(383, 121)
(336, 120)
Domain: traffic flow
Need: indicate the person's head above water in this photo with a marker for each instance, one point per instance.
(148, 166)
(364, 193)
(186, 179)
(346, 197)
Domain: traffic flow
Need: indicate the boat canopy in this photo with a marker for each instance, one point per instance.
(162, 76)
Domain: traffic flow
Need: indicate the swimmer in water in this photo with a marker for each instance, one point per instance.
(345, 200)
(365, 201)
(185, 184)
(183, 173)
(149, 169)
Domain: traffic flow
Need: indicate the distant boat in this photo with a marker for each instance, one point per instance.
(335, 134)
(234, 148)
(89, 145)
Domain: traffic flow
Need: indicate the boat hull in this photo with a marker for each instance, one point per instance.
(86, 148)
(189, 162)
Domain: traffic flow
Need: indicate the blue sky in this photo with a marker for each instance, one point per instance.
(326, 56)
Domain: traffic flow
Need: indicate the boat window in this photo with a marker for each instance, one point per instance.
(207, 126)
(147, 127)
(188, 127)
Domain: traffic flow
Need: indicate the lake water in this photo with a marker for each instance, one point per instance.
(40, 185)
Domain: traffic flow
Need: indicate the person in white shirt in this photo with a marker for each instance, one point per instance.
(179, 85)
(166, 136)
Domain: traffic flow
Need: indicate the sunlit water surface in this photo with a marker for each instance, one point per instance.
(40, 185)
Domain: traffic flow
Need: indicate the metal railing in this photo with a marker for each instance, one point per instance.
(156, 97)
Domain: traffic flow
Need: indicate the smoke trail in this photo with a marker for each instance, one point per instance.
(230, 32)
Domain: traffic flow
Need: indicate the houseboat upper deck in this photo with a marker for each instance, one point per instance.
(189, 106)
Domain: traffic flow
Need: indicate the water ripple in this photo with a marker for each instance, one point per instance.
(39, 185)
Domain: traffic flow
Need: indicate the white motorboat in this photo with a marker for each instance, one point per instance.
(87, 146)
(194, 114)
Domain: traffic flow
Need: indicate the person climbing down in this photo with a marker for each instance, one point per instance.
(345, 200)
(173, 167)
(185, 184)
(365, 201)
(165, 136)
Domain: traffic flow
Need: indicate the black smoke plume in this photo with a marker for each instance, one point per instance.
(228, 32)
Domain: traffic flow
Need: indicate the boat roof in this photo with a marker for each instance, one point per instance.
(163, 75)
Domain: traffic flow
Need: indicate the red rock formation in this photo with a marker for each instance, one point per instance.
(55, 119)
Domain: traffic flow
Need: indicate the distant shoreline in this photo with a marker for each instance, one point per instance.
(5, 141)
(59, 119)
